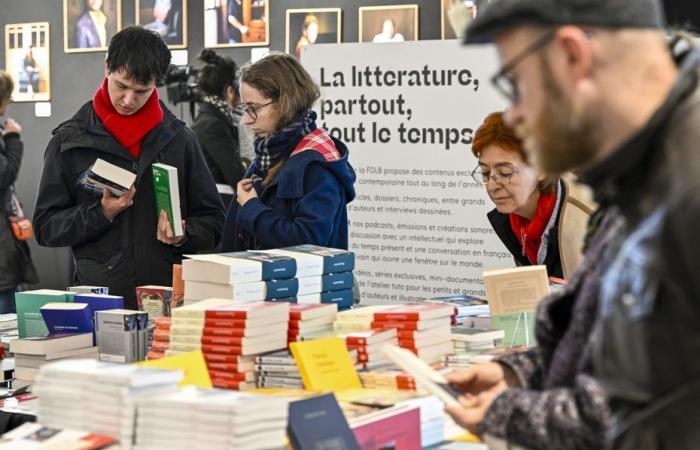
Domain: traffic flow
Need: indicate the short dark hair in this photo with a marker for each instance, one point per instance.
(281, 78)
(218, 74)
(141, 53)
(6, 86)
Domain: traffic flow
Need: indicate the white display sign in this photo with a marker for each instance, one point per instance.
(408, 112)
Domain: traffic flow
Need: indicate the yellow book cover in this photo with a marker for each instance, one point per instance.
(192, 364)
(325, 364)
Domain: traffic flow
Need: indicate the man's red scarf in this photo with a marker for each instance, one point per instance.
(127, 130)
(529, 233)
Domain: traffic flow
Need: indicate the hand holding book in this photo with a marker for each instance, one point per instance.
(112, 206)
(165, 231)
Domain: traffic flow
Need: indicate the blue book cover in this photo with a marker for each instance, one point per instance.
(334, 260)
(337, 281)
(341, 298)
(67, 318)
(282, 288)
(318, 423)
(273, 266)
(283, 299)
(100, 302)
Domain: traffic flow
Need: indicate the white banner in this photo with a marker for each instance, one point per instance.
(408, 112)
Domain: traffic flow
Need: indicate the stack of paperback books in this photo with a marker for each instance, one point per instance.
(359, 318)
(310, 321)
(8, 329)
(278, 370)
(229, 334)
(212, 419)
(325, 274)
(469, 339)
(240, 276)
(423, 329)
(97, 396)
(33, 353)
(387, 379)
(161, 338)
(368, 345)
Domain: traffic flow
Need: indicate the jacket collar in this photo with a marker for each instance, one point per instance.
(86, 130)
(616, 178)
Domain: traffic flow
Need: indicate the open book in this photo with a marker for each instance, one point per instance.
(424, 375)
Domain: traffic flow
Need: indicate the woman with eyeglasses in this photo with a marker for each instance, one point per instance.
(297, 188)
(540, 220)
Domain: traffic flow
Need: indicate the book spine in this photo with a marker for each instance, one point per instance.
(222, 349)
(278, 269)
(282, 288)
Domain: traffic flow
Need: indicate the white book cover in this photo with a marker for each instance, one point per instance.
(220, 269)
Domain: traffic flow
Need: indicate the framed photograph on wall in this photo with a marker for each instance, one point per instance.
(27, 61)
(394, 23)
(166, 17)
(312, 26)
(455, 15)
(88, 25)
(236, 23)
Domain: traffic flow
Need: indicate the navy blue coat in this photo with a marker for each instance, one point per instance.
(305, 204)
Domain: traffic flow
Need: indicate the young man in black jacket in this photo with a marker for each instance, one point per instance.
(123, 242)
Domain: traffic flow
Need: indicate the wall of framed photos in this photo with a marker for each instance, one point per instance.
(77, 67)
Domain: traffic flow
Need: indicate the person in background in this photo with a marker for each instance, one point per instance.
(16, 267)
(597, 87)
(218, 119)
(123, 242)
(309, 33)
(388, 33)
(297, 189)
(236, 28)
(540, 219)
(31, 70)
(91, 28)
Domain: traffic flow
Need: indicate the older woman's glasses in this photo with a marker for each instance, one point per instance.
(252, 110)
(501, 177)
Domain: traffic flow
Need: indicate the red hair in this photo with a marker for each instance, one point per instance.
(494, 131)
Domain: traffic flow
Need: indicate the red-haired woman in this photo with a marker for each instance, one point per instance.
(541, 220)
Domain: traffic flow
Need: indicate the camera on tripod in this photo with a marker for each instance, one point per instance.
(181, 84)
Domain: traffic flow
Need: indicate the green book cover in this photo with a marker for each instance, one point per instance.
(29, 319)
(519, 328)
(167, 195)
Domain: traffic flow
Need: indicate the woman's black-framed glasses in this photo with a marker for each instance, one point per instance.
(252, 110)
(503, 81)
(502, 178)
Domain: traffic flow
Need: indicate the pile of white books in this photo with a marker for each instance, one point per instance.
(211, 419)
(101, 397)
(33, 353)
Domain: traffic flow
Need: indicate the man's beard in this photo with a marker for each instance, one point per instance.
(564, 137)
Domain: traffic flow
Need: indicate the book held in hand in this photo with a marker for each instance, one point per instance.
(167, 193)
(103, 175)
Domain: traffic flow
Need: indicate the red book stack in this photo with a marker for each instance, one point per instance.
(310, 321)
(230, 335)
(422, 328)
(161, 338)
(368, 345)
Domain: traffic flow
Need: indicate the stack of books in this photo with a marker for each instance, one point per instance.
(278, 370)
(239, 276)
(97, 396)
(432, 419)
(33, 353)
(8, 329)
(212, 419)
(424, 329)
(359, 318)
(387, 379)
(466, 307)
(122, 335)
(227, 332)
(310, 321)
(161, 338)
(368, 345)
(325, 274)
(469, 339)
